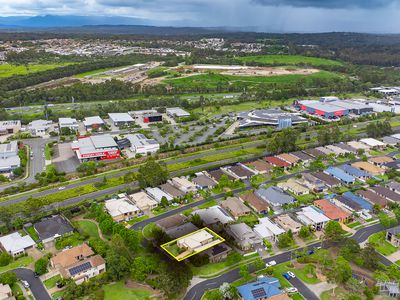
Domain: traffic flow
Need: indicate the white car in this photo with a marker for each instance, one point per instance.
(270, 263)
(291, 290)
(291, 274)
(25, 284)
(61, 188)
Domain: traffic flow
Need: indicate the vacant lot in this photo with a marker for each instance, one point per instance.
(7, 70)
(117, 291)
(290, 60)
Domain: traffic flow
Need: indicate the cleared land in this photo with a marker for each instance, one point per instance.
(290, 60)
(7, 70)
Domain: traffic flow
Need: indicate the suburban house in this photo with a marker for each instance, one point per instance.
(202, 181)
(346, 147)
(355, 172)
(304, 157)
(314, 153)
(121, 209)
(328, 180)
(332, 211)
(235, 207)
(15, 244)
(172, 190)
(181, 230)
(286, 222)
(346, 204)
(262, 289)
(395, 165)
(158, 194)
(337, 150)
(368, 167)
(171, 222)
(386, 193)
(288, 158)
(244, 236)
(6, 292)
(78, 263)
(257, 204)
(358, 146)
(143, 201)
(313, 183)
(195, 242)
(277, 162)
(380, 160)
(267, 229)
(372, 197)
(51, 228)
(183, 184)
(218, 253)
(325, 150)
(390, 289)
(394, 186)
(218, 174)
(260, 166)
(294, 187)
(239, 171)
(365, 205)
(373, 143)
(274, 196)
(393, 236)
(214, 216)
(340, 175)
(310, 216)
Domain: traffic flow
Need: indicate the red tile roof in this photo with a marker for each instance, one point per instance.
(330, 210)
(273, 160)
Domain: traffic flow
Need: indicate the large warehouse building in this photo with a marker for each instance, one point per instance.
(271, 117)
(98, 147)
(330, 107)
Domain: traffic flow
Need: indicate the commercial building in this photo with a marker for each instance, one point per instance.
(269, 117)
(245, 238)
(121, 209)
(332, 211)
(15, 244)
(39, 127)
(146, 116)
(267, 229)
(51, 228)
(177, 112)
(78, 263)
(140, 144)
(91, 123)
(121, 119)
(70, 123)
(96, 147)
(354, 107)
(10, 127)
(311, 216)
(9, 158)
(323, 109)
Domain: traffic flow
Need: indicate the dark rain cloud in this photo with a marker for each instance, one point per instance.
(329, 4)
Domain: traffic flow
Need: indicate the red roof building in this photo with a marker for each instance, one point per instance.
(277, 162)
(332, 211)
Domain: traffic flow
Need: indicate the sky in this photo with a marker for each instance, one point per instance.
(380, 16)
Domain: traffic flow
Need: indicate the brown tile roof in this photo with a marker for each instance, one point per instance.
(372, 197)
(95, 261)
(235, 206)
(330, 210)
(380, 159)
(71, 256)
(328, 179)
(217, 174)
(302, 155)
(289, 158)
(171, 221)
(240, 171)
(368, 167)
(173, 191)
(260, 165)
(386, 193)
(314, 152)
(255, 202)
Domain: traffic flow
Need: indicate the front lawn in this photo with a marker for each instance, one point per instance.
(250, 220)
(20, 262)
(51, 282)
(138, 219)
(208, 204)
(117, 291)
(88, 227)
(380, 244)
(148, 230)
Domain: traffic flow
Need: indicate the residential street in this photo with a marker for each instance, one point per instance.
(36, 286)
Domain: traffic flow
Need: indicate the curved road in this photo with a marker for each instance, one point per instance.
(36, 285)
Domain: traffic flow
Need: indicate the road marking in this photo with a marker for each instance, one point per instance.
(194, 295)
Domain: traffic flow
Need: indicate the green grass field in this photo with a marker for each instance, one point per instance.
(117, 291)
(213, 80)
(20, 262)
(88, 227)
(51, 282)
(291, 60)
(7, 70)
(380, 244)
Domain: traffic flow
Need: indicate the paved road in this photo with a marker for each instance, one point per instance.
(197, 291)
(36, 286)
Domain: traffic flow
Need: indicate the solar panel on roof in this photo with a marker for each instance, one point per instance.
(83, 267)
(259, 293)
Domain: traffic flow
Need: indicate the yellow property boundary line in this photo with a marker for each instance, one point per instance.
(164, 246)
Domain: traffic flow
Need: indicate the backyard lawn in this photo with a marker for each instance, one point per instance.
(51, 282)
(88, 227)
(380, 244)
(117, 291)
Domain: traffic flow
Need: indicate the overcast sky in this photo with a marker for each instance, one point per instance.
(267, 15)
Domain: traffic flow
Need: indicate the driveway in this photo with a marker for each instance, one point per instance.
(36, 286)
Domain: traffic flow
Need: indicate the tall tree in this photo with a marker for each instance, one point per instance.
(152, 174)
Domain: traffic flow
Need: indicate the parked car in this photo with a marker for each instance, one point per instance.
(270, 263)
(25, 284)
(291, 290)
(60, 284)
(291, 274)
(286, 275)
